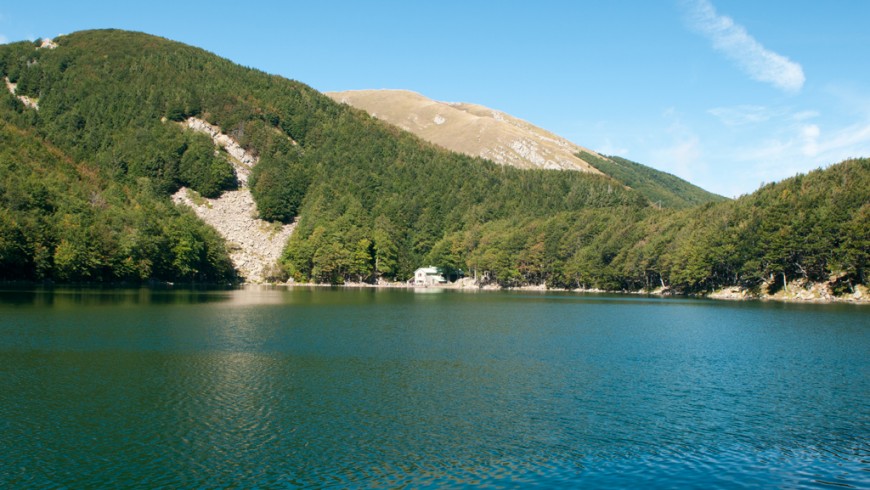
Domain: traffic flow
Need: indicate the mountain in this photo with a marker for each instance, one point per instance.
(476, 130)
(470, 129)
(369, 200)
(126, 157)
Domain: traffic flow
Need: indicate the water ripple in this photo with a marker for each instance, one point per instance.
(374, 392)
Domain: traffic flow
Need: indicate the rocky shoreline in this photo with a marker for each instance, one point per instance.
(816, 293)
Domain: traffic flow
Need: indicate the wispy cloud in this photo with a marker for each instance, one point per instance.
(682, 157)
(851, 141)
(742, 115)
(749, 115)
(809, 134)
(804, 147)
(3, 39)
(750, 55)
(804, 115)
(683, 150)
(609, 148)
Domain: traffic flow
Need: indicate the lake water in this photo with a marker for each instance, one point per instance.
(363, 388)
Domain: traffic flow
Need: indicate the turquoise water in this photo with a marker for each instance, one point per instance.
(362, 388)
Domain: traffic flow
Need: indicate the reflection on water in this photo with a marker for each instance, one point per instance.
(314, 387)
(111, 297)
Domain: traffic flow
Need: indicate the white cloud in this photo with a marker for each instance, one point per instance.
(810, 136)
(742, 115)
(751, 56)
(803, 148)
(804, 115)
(749, 115)
(682, 156)
(608, 148)
(3, 39)
(852, 141)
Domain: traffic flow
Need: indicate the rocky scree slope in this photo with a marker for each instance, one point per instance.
(255, 245)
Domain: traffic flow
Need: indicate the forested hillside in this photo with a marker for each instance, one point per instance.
(63, 220)
(110, 98)
(813, 227)
(87, 177)
(662, 189)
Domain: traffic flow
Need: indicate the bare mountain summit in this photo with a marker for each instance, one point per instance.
(470, 129)
(482, 132)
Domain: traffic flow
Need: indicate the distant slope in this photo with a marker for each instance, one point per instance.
(470, 129)
(479, 131)
(661, 188)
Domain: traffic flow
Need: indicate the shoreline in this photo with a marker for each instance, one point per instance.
(816, 293)
(796, 296)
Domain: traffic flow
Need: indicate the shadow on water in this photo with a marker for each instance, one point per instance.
(62, 297)
(251, 295)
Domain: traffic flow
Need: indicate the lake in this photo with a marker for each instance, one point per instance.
(273, 387)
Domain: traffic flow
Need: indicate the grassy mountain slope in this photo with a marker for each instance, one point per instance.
(469, 129)
(479, 131)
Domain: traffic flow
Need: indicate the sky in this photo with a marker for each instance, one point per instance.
(727, 94)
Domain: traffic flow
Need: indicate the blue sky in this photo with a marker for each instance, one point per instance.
(727, 94)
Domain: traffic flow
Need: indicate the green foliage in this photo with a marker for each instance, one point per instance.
(278, 186)
(813, 227)
(85, 183)
(203, 168)
(67, 222)
(104, 93)
(661, 188)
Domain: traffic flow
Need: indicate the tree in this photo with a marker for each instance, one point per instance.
(385, 247)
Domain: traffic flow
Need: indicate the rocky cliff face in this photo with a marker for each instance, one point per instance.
(470, 129)
(255, 245)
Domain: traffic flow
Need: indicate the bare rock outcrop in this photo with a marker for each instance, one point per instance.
(48, 43)
(27, 101)
(13, 87)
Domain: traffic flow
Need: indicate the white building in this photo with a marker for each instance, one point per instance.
(428, 276)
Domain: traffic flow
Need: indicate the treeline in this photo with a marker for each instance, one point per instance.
(813, 227)
(372, 202)
(661, 188)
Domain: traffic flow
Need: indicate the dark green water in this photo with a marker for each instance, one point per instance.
(361, 388)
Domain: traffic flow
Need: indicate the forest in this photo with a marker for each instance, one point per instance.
(85, 182)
